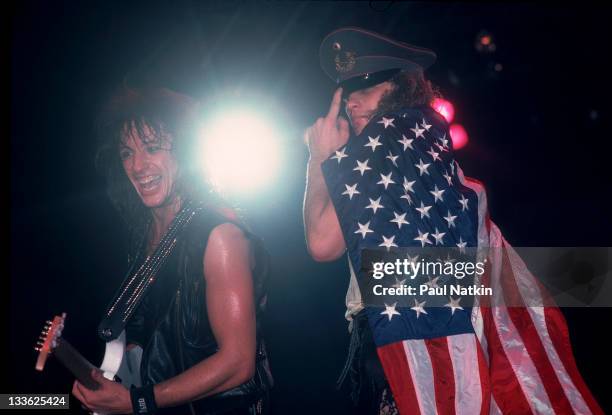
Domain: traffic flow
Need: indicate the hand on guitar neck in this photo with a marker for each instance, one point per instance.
(110, 397)
(92, 388)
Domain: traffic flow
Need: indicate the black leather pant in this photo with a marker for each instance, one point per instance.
(363, 368)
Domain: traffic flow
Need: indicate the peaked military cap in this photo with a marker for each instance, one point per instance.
(356, 58)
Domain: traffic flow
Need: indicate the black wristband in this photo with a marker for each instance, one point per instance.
(143, 400)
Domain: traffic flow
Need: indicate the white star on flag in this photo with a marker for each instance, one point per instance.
(437, 194)
(340, 155)
(418, 132)
(464, 203)
(351, 190)
(425, 125)
(387, 122)
(422, 167)
(424, 210)
(418, 307)
(386, 180)
(454, 305)
(373, 143)
(362, 166)
(412, 259)
(450, 259)
(432, 283)
(448, 178)
(408, 185)
(406, 142)
(450, 219)
(400, 220)
(444, 140)
(390, 311)
(423, 238)
(398, 283)
(461, 245)
(388, 242)
(392, 158)
(364, 229)
(438, 236)
(435, 156)
(375, 205)
(407, 197)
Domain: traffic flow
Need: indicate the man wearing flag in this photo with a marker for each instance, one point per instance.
(395, 183)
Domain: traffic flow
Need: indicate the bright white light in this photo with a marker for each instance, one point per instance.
(240, 152)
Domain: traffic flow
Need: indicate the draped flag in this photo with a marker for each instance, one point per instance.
(397, 185)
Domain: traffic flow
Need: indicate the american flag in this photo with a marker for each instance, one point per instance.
(397, 185)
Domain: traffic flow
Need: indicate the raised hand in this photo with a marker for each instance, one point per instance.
(328, 133)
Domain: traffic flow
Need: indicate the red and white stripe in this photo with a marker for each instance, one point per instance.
(519, 361)
(447, 375)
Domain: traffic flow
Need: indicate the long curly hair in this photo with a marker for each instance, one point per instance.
(163, 112)
(410, 89)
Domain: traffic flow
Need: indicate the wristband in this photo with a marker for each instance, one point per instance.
(143, 400)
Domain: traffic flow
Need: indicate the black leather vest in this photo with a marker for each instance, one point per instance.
(171, 324)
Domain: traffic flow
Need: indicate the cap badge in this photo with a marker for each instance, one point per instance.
(345, 61)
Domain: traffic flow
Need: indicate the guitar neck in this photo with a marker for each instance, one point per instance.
(75, 363)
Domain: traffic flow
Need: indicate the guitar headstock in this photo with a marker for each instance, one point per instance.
(48, 339)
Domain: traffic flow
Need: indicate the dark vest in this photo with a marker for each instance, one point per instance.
(171, 324)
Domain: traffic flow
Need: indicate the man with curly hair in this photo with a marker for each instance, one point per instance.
(394, 182)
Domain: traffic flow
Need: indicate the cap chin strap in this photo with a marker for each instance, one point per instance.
(365, 81)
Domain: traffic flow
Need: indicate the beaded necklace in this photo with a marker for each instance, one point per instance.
(137, 284)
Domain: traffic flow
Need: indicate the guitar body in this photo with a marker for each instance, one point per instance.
(118, 365)
(121, 365)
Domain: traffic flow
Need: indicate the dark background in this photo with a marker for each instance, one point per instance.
(539, 132)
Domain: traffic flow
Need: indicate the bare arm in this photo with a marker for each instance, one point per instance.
(323, 233)
(231, 311)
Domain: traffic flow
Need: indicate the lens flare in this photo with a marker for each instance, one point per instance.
(240, 152)
(444, 108)
(459, 136)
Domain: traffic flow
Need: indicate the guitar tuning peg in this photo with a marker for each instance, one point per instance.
(49, 322)
(37, 349)
(40, 343)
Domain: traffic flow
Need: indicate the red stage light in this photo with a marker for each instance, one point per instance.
(459, 136)
(445, 108)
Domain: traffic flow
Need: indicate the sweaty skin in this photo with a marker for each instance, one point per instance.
(227, 261)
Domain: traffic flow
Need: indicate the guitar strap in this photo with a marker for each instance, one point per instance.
(139, 280)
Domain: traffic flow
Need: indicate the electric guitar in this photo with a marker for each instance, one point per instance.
(118, 364)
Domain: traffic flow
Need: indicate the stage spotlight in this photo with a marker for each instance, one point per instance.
(459, 136)
(240, 151)
(444, 108)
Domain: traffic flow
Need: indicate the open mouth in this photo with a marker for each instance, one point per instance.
(149, 183)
